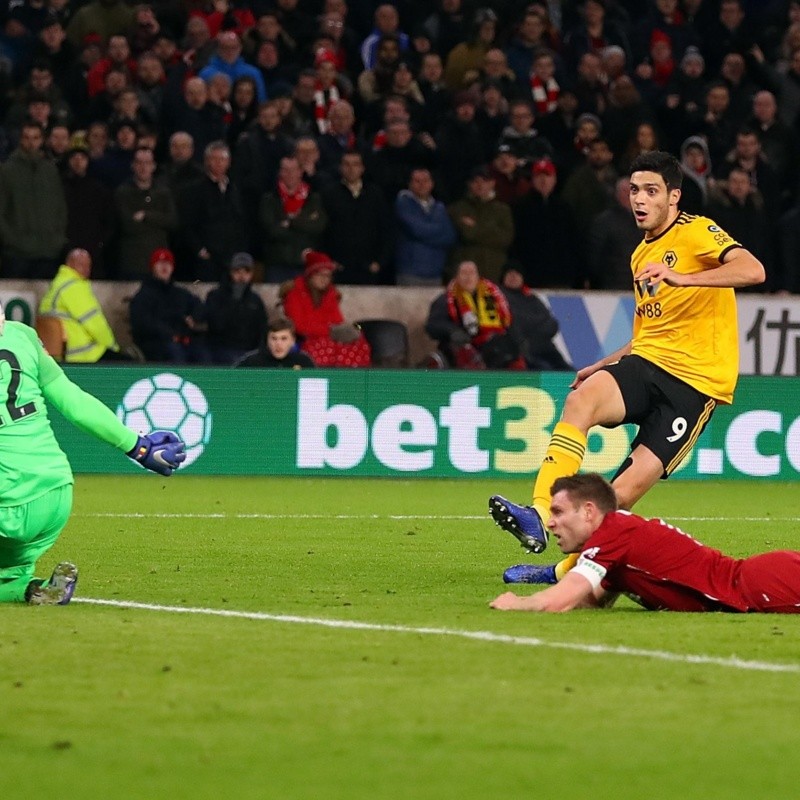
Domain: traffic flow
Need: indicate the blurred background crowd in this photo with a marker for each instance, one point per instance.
(400, 139)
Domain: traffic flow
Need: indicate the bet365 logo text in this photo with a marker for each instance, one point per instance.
(464, 435)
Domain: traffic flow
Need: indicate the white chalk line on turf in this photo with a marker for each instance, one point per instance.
(457, 517)
(483, 636)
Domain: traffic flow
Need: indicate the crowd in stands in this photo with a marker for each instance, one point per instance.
(400, 139)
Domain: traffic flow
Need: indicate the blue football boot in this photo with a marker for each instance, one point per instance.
(521, 521)
(531, 573)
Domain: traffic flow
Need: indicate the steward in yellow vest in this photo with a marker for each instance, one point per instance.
(70, 298)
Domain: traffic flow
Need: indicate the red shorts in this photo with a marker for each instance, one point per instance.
(770, 583)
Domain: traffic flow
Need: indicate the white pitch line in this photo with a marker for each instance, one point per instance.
(465, 517)
(483, 636)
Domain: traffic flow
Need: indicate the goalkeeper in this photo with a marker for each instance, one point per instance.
(35, 476)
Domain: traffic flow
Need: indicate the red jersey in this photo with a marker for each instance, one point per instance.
(663, 566)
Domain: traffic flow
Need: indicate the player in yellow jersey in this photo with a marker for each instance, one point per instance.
(682, 360)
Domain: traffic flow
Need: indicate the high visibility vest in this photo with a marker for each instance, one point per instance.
(70, 298)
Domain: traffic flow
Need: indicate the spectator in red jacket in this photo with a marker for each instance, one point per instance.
(312, 303)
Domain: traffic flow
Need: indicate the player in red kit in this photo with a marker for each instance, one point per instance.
(657, 564)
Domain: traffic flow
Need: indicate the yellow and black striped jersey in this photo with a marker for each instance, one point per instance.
(691, 331)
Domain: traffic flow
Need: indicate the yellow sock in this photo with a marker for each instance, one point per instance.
(565, 565)
(563, 457)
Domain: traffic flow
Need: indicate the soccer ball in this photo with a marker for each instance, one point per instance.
(168, 402)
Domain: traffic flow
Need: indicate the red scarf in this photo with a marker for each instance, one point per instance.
(488, 304)
(545, 96)
(323, 100)
(293, 203)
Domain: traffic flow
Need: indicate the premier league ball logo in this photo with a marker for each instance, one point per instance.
(168, 402)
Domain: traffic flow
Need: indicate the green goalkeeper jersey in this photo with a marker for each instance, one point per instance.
(31, 461)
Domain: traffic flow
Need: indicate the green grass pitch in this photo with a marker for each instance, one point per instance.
(249, 695)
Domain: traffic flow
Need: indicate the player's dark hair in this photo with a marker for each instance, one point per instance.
(588, 486)
(664, 164)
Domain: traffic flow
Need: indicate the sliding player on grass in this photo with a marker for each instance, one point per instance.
(658, 565)
(682, 361)
(35, 476)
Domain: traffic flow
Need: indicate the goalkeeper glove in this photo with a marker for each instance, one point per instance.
(159, 451)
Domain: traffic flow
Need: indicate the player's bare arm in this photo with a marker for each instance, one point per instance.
(739, 268)
(573, 591)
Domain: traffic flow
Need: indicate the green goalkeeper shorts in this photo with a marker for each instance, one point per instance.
(28, 531)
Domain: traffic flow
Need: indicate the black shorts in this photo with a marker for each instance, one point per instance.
(670, 414)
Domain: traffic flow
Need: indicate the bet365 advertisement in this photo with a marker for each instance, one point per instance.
(404, 423)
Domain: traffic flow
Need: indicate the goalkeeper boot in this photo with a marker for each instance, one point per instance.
(58, 590)
(531, 573)
(523, 522)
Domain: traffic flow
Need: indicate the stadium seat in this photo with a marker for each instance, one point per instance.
(51, 332)
(388, 340)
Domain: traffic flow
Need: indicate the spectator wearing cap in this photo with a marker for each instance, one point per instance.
(425, 233)
(465, 59)
(104, 18)
(359, 234)
(311, 301)
(146, 215)
(168, 321)
(90, 206)
(484, 224)
(544, 241)
(212, 217)
(511, 183)
(33, 212)
(387, 23)
(460, 145)
(237, 319)
(228, 60)
(292, 219)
